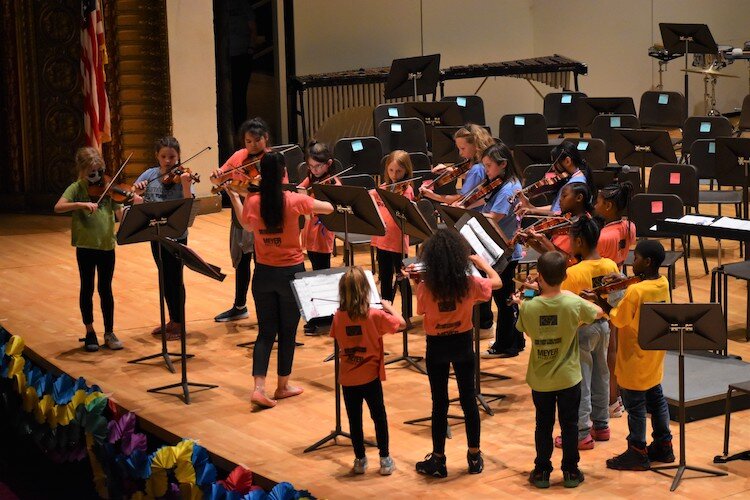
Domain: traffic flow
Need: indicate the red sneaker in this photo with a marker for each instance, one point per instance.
(600, 434)
(586, 443)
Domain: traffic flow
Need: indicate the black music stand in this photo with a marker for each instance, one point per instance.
(193, 261)
(732, 161)
(337, 431)
(150, 222)
(589, 108)
(451, 215)
(642, 147)
(434, 114)
(444, 146)
(684, 38)
(413, 76)
(412, 223)
(682, 327)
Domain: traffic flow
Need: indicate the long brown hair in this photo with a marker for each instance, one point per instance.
(86, 158)
(354, 293)
(404, 161)
(476, 136)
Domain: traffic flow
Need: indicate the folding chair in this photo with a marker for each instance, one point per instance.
(470, 106)
(703, 158)
(560, 111)
(387, 111)
(593, 150)
(703, 127)
(402, 133)
(601, 127)
(364, 153)
(529, 128)
(662, 109)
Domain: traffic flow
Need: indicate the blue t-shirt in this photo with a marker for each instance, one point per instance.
(474, 177)
(156, 190)
(578, 177)
(498, 204)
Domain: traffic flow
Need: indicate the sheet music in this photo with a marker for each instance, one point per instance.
(729, 223)
(697, 220)
(481, 242)
(319, 295)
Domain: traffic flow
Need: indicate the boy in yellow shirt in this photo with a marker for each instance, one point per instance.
(639, 373)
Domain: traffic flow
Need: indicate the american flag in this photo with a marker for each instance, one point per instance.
(93, 58)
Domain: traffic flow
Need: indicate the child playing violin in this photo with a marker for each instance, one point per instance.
(93, 235)
(151, 183)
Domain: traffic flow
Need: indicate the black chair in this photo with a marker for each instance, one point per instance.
(364, 153)
(703, 127)
(679, 179)
(593, 150)
(529, 128)
(366, 181)
(420, 161)
(662, 109)
(532, 154)
(601, 127)
(603, 178)
(470, 106)
(589, 108)
(645, 210)
(703, 158)
(293, 155)
(385, 112)
(402, 133)
(560, 111)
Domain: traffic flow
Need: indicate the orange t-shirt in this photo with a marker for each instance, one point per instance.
(562, 242)
(361, 345)
(238, 158)
(446, 318)
(278, 247)
(316, 237)
(392, 239)
(615, 240)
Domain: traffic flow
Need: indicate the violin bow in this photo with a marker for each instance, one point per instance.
(181, 163)
(114, 178)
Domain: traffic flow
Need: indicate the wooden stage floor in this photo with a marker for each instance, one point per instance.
(38, 301)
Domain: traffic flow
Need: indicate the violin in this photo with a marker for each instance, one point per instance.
(399, 187)
(328, 179)
(550, 226)
(173, 176)
(415, 271)
(106, 187)
(248, 170)
(618, 284)
(449, 175)
(479, 192)
(540, 187)
(241, 186)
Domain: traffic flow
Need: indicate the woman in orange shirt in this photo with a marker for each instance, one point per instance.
(273, 216)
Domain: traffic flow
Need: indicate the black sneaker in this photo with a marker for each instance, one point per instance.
(476, 462)
(660, 452)
(539, 478)
(572, 479)
(232, 314)
(432, 465)
(632, 459)
(90, 342)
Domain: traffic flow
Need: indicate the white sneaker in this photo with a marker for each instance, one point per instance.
(112, 341)
(360, 465)
(387, 466)
(616, 409)
(487, 333)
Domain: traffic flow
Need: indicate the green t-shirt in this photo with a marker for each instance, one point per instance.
(551, 324)
(96, 231)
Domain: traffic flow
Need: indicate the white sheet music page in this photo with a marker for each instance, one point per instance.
(481, 242)
(697, 220)
(319, 295)
(729, 223)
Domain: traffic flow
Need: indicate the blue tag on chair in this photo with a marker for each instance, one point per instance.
(395, 127)
(393, 112)
(663, 98)
(712, 147)
(519, 120)
(614, 121)
(705, 127)
(566, 98)
(582, 145)
(357, 146)
(461, 101)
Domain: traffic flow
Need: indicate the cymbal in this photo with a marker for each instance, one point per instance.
(708, 72)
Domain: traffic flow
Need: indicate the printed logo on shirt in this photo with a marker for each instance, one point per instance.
(544, 348)
(550, 320)
(446, 326)
(353, 331)
(353, 354)
(447, 306)
(271, 230)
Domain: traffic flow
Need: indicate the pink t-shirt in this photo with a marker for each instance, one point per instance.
(392, 239)
(446, 318)
(615, 240)
(278, 247)
(361, 345)
(316, 237)
(237, 159)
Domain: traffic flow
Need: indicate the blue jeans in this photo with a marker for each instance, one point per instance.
(637, 404)
(593, 341)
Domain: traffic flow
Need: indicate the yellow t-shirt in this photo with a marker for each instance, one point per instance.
(588, 274)
(636, 369)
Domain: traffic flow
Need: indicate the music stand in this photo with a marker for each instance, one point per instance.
(589, 108)
(531, 154)
(413, 76)
(684, 38)
(732, 161)
(682, 327)
(149, 222)
(193, 261)
(412, 223)
(642, 147)
(434, 114)
(451, 215)
(337, 431)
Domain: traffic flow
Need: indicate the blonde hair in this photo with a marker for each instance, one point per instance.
(354, 293)
(476, 136)
(86, 158)
(403, 160)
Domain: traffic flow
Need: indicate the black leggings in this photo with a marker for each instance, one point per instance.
(319, 260)
(174, 289)
(90, 262)
(372, 392)
(242, 280)
(567, 401)
(389, 263)
(507, 338)
(441, 352)
(278, 314)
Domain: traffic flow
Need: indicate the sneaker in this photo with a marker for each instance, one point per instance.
(572, 479)
(586, 443)
(487, 333)
(112, 341)
(433, 465)
(492, 353)
(660, 452)
(360, 465)
(476, 462)
(632, 459)
(387, 466)
(539, 478)
(232, 314)
(90, 342)
(600, 434)
(616, 409)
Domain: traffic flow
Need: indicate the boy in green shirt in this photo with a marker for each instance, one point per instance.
(554, 373)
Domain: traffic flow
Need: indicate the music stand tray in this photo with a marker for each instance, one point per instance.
(434, 114)
(149, 222)
(682, 327)
(642, 147)
(413, 76)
